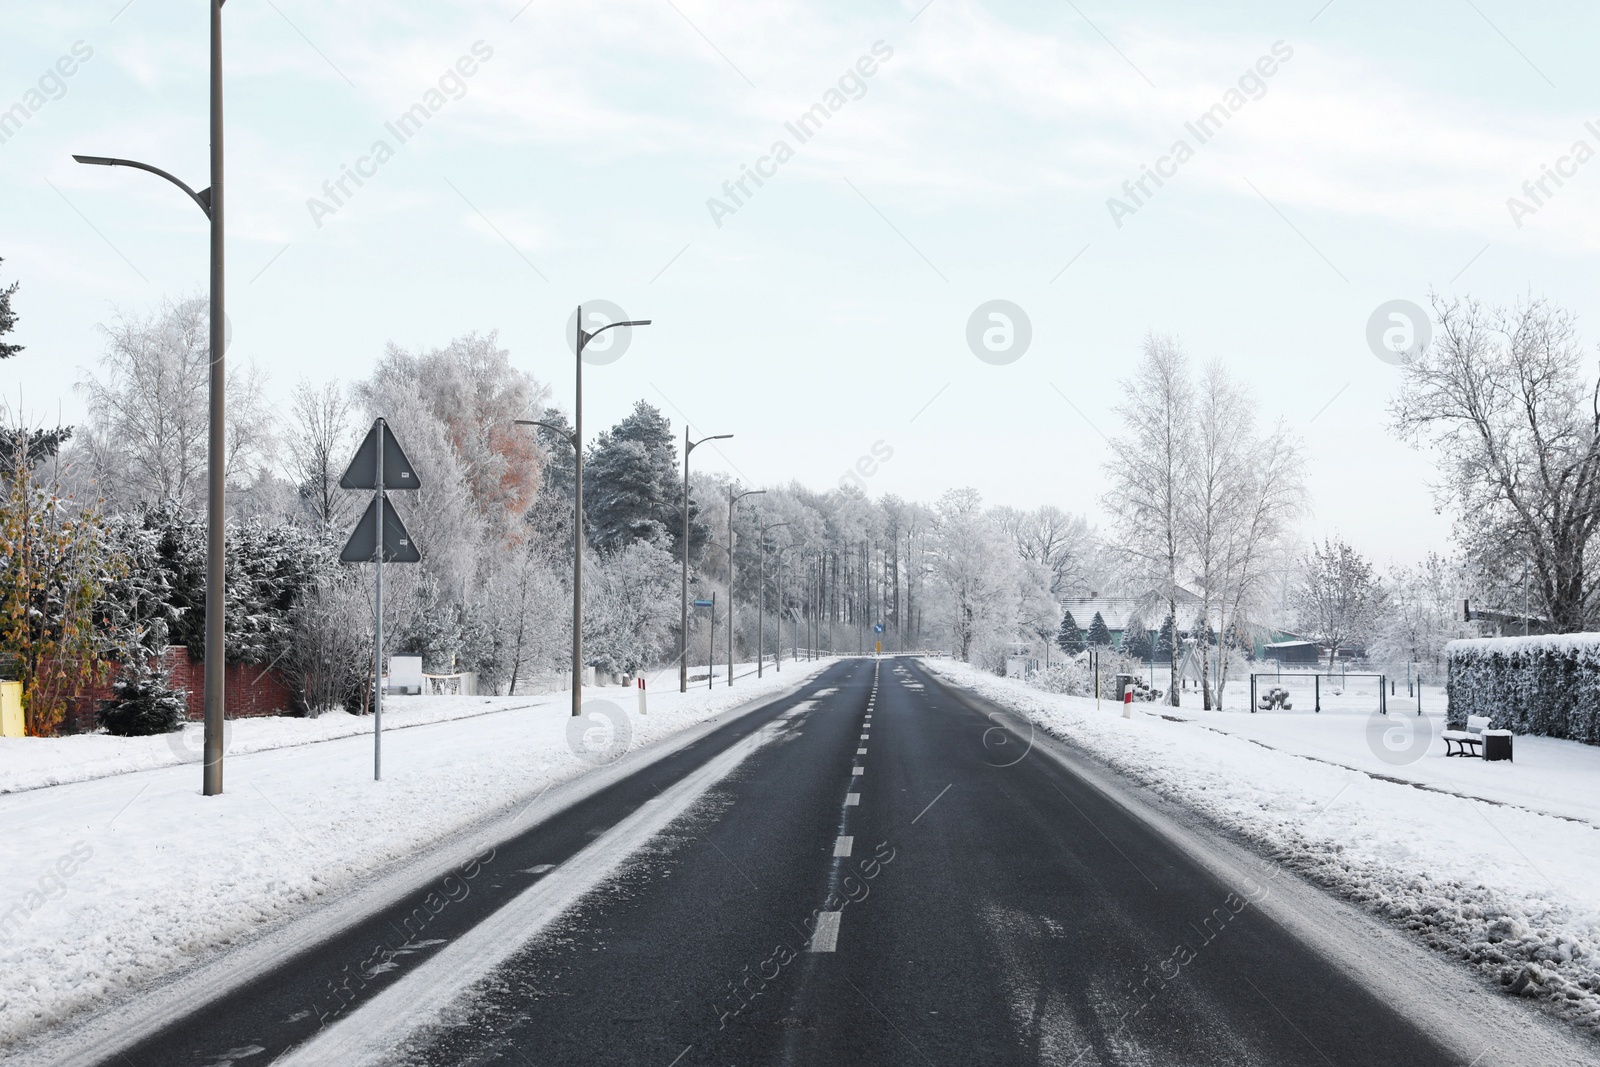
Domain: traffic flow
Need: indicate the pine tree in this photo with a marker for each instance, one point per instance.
(1070, 638)
(143, 701)
(630, 482)
(633, 487)
(1167, 641)
(1136, 641)
(8, 320)
(1099, 634)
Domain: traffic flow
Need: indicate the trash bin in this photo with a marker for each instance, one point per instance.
(1497, 744)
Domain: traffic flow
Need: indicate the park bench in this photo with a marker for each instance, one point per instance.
(1470, 738)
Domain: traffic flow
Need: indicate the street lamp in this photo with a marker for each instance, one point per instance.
(210, 201)
(777, 659)
(733, 498)
(683, 596)
(761, 610)
(582, 339)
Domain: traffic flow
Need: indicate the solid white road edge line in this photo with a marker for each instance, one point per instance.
(373, 1030)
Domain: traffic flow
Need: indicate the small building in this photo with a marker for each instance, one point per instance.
(1294, 652)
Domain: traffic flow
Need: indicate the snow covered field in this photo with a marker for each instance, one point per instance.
(126, 873)
(1511, 887)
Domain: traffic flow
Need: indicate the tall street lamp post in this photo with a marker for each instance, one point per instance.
(733, 498)
(761, 599)
(683, 596)
(580, 342)
(210, 201)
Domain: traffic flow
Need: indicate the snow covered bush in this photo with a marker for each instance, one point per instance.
(1547, 685)
(1074, 678)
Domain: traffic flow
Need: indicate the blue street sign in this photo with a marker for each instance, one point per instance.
(702, 603)
(877, 627)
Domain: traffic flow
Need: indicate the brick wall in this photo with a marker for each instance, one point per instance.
(247, 691)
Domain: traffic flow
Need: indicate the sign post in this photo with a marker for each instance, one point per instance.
(379, 536)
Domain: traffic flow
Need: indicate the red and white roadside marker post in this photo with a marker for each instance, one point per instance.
(1127, 703)
(641, 694)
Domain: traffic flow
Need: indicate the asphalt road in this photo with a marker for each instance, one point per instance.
(992, 907)
(893, 879)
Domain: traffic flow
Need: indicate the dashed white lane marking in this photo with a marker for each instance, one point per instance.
(852, 800)
(826, 939)
(842, 845)
(863, 737)
(858, 771)
(861, 752)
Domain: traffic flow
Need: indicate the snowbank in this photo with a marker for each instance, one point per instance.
(109, 883)
(1514, 893)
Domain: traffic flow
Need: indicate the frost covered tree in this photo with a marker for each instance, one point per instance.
(320, 443)
(1339, 599)
(1244, 493)
(629, 606)
(974, 568)
(1423, 614)
(149, 411)
(1061, 542)
(473, 395)
(1148, 471)
(1507, 403)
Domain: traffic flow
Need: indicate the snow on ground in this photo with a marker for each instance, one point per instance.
(33, 762)
(1547, 775)
(1512, 890)
(125, 874)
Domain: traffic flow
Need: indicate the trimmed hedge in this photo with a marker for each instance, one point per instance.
(1547, 685)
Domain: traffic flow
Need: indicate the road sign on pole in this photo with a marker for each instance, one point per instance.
(398, 547)
(379, 464)
(877, 627)
(364, 470)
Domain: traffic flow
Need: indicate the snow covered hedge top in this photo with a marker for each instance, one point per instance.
(1564, 643)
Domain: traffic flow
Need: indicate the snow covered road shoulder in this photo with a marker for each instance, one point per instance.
(1514, 893)
(109, 883)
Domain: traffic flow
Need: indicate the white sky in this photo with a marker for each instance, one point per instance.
(828, 311)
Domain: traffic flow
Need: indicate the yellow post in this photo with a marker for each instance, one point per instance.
(11, 709)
